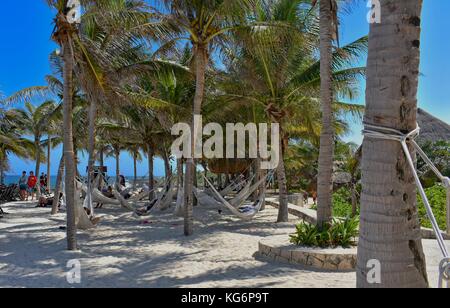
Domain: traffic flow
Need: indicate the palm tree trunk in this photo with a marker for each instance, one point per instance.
(324, 179)
(2, 172)
(75, 158)
(180, 173)
(49, 152)
(200, 54)
(91, 146)
(354, 200)
(168, 170)
(69, 159)
(55, 206)
(117, 155)
(261, 173)
(390, 229)
(102, 158)
(134, 171)
(37, 146)
(283, 211)
(151, 177)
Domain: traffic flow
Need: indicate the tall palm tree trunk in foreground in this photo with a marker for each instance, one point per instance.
(55, 206)
(69, 157)
(200, 53)
(324, 179)
(390, 229)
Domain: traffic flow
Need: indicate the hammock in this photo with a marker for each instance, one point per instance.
(159, 202)
(241, 193)
(124, 203)
(82, 220)
(236, 208)
(179, 211)
(141, 196)
(246, 192)
(166, 201)
(233, 186)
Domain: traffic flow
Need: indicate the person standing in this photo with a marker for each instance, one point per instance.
(32, 182)
(23, 186)
(42, 182)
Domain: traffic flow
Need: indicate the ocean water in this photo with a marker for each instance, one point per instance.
(14, 179)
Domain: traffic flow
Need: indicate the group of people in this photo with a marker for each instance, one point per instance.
(29, 185)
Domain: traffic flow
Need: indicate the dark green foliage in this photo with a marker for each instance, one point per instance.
(437, 197)
(342, 233)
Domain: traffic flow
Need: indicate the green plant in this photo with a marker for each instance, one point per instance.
(437, 197)
(342, 203)
(306, 234)
(341, 233)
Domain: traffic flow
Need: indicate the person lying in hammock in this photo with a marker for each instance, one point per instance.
(44, 202)
(107, 193)
(145, 210)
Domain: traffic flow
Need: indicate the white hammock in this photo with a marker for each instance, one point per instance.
(242, 193)
(141, 196)
(247, 192)
(233, 186)
(166, 201)
(158, 202)
(98, 196)
(243, 212)
(179, 210)
(124, 203)
(82, 220)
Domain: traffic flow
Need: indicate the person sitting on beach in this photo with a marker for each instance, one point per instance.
(23, 186)
(32, 181)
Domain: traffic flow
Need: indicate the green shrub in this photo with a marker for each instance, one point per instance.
(340, 233)
(437, 197)
(342, 203)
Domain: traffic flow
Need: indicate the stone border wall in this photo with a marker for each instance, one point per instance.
(278, 248)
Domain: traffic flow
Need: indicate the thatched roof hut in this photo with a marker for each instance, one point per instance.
(432, 129)
(228, 166)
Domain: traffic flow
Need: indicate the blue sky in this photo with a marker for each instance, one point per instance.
(25, 30)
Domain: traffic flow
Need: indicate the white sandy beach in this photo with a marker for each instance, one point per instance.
(121, 252)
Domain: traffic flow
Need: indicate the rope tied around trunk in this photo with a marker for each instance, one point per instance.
(385, 133)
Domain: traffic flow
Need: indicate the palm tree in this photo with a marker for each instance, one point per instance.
(11, 140)
(79, 123)
(283, 83)
(105, 46)
(135, 152)
(36, 122)
(328, 19)
(390, 229)
(64, 34)
(204, 23)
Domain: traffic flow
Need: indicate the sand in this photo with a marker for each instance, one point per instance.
(123, 252)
